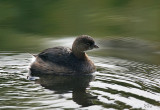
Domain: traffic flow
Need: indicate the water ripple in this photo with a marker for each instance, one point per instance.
(117, 84)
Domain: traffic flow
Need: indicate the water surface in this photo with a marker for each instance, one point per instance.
(128, 71)
(117, 84)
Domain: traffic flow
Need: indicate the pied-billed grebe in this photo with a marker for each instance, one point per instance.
(62, 60)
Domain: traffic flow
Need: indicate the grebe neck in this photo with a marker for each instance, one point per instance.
(79, 54)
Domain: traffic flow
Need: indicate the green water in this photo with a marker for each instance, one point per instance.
(22, 23)
(128, 71)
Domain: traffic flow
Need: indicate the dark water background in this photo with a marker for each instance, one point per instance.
(128, 60)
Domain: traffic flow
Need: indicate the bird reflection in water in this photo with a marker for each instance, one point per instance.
(76, 84)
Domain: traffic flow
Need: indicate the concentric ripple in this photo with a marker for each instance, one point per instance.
(118, 84)
(123, 84)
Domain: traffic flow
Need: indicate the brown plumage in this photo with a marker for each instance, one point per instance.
(63, 60)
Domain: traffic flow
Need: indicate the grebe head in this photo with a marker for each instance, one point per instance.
(83, 43)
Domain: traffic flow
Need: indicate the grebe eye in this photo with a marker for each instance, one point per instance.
(88, 44)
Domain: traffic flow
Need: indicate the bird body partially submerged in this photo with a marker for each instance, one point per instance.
(63, 60)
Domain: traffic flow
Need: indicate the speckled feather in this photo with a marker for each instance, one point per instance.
(59, 55)
(62, 56)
